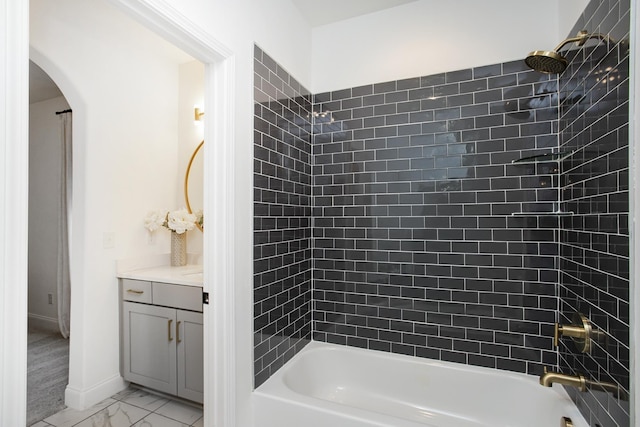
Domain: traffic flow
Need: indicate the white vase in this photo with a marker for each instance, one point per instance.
(178, 249)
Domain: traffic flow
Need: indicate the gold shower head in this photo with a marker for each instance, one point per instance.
(546, 61)
(550, 61)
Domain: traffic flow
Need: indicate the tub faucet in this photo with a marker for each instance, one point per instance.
(549, 377)
(581, 383)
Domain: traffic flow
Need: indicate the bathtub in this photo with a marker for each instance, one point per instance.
(327, 385)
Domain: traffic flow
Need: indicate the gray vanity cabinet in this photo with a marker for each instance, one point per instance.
(150, 346)
(162, 337)
(190, 355)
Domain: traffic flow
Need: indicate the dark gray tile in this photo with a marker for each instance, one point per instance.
(413, 216)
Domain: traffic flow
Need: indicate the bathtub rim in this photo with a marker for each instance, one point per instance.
(275, 387)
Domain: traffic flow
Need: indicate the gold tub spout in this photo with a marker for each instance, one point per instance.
(549, 378)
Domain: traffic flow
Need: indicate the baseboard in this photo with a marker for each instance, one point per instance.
(83, 399)
(43, 322)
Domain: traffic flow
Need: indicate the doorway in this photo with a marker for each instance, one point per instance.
(93, 338)
(48, 264)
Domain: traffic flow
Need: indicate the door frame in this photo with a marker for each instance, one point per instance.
(14, 191)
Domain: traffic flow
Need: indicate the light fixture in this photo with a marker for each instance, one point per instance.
(198, 113)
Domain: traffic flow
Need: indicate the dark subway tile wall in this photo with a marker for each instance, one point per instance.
(422, 235)
(594, 248)
(428, 240)
(282, 216)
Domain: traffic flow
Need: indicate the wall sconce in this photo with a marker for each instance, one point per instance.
(198, 113)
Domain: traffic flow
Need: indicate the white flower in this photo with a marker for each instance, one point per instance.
(181, 221)
(199, 217)
(155, 219)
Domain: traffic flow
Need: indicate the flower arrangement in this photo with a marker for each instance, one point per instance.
(179, 221)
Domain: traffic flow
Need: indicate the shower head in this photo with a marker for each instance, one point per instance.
(550, 61)
(546, 61)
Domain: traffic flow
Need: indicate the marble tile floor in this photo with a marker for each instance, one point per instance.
(132, 407)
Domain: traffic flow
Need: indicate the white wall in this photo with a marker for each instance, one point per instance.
(434, 36)
(45, 145)
(275, 25)
(14, 164)
(122, 83)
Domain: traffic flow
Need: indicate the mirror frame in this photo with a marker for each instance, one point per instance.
(186, 182)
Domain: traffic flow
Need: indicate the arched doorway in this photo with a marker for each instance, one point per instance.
(48, 276)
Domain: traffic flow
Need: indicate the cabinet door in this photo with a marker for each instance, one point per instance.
(150, 346)
(189, 341)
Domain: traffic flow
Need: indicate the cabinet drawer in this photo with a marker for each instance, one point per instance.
(136, 290)
(178, 296)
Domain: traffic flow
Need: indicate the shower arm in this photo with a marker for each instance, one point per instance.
(581, 39)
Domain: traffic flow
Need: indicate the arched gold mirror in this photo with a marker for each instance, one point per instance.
(193, 184)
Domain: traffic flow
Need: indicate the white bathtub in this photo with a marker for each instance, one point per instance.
(327, 385)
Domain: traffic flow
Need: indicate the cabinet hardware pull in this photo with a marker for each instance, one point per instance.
(169, 329)
(135, 291)
(178, 331)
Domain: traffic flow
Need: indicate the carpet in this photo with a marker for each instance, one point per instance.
(47, 373)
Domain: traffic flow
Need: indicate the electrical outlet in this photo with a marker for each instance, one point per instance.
(50, 298)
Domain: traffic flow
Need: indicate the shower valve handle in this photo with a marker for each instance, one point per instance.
(580, 331)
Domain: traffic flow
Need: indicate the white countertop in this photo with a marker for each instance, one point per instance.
(189, 274)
